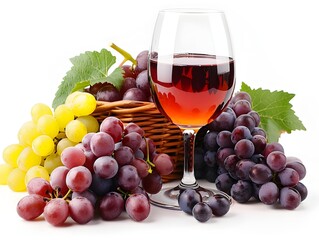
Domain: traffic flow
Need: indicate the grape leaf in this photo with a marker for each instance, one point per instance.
(88, 68)
(276, 114)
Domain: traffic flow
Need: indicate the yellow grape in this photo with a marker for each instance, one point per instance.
(48, 125)
(11, 153)
(64, 143)
(83, 104)
(5, 170)
(27, 133)
(28, 159)
(43, 145)
(38, 110)
(36, 171)
(63, 114)
(92, 125)
(16, 180)
(75, 131)
(52, 162)
(70, 98)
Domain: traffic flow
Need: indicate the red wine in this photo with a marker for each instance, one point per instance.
(192, 89)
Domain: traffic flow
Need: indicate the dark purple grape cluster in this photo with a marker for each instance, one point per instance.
(135, 85)
(110, 171)
(191, 202)
(233, 152)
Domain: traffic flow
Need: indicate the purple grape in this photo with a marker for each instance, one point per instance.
(302, 189)
(260, 174)
(133, 127)
(101, 186)
(86, 194)
(78, 179)
(135, 94)
(58, 179)
(288, 177)
(289, 198)
(108, 93)
(299, 167)
(241, 107)
(40, 187)
(114, 127)
(141, 166)
(164, 165)
(141, 60)
(111, 206)
(259, 131)
(128, 83)
(224, 182)
(243, 168)
(81, 210)
(241, 191)
(219, 205)
(240, 132)
(202, 212)
(222, 154)
(270, 147)
(143, 83)
(152, 183)
(223, 139)
(132, 140)
(102, 144)
(241, 96)
(269, 193)
(72, 157)
(105, 167)
(210, 158)
(128, 178)
(276, 160)
(259, 142)
(225, 121)
(210, 141)
(187, 199)
(244, 148)
(256, 117)
(123, 155)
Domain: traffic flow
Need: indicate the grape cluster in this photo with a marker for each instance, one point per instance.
(135, 86)
(42, 139)
(233, 152)
(191, 202)
(113, 169)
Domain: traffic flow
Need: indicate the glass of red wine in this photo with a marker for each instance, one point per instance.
(192, 78)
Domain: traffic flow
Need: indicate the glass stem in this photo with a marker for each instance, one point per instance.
(189, 180)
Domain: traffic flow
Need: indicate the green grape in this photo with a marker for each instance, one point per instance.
(92, 125)
(11, 153)
(27, 133)
(64, 143)
(16, 180)
(36, 171)
(43, 145)
(52, 162)
(48, 125)
(5, 170)
(63, 114)
(28, 159)
(75, 131)
(70, 98)
(38, 110)
(83, 104)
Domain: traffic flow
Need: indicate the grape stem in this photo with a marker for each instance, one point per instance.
(148, 157)
(125, 54)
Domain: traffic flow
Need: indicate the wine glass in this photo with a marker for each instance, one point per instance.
(192, 78)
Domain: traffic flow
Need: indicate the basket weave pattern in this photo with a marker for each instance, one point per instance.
(167, 137)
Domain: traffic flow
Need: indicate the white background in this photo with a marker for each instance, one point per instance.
(276, 48)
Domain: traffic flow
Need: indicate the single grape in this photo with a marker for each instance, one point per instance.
(82, 104)
(241, 191)
(86, 194)
(133, 127)
(81, 210)
(143, 83)
(260, 173)
(187, 199)
(132, 140)
(63, 115)
(11, 153)
(105, 167)
(108, 93)
(58, 180)
(129, 82)
(114, 127)
(259, 142)
(75, 131)
(48, 125)
(124, 155)
(270, 147)
(302, 189)
(111, 206)
(90, 122)
(222, 154)
(219, 204)
(137, 207)
(245, 120)
(202, 212)
(40, 187)
(78, 179)
(16, 180)
(244, 148)
(141, 166)
(28, 159)
(259, 131)
(36, 171)
(141, 60)
(210, 158)
(225, 121)
(268, 193)
(163, 164)
(102, 144)
(101, 186)
(276, 160)
(288, 177)
(240, 132)
(223, 139)
(298, 167)
(241, 107)
(51, 162)
(152, 183)
(27, 133)
(241, 96)
(289, 198)
(72, 157)
(210, 141)
(224, 182)
(56, 211)
(135, 94)
(243, 168)
(128, 178)
(256, 117)
(31, 206)
(38, 110)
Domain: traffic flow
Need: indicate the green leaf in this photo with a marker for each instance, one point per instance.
(88, 68)
(275, 110)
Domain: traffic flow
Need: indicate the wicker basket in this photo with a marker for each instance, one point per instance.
(166, 136)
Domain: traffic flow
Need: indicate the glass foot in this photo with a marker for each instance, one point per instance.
(168, 196)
